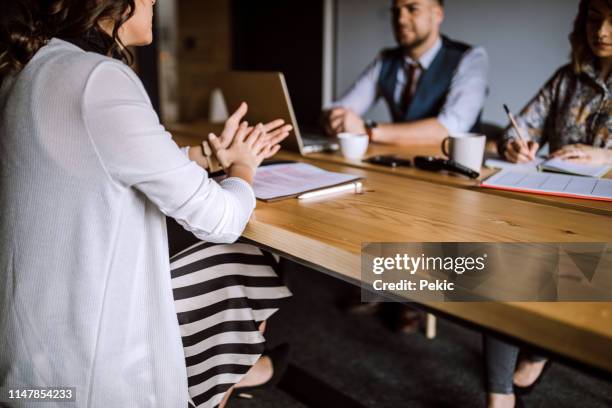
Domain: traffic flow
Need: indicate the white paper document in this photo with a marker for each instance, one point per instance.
(278, 181)
(563, 166)
(532, 166)
(551, 184)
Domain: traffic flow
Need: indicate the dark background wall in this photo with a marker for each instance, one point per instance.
(147, 67)
(287, 36)
(203, 50)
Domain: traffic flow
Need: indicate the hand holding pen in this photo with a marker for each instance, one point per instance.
(518, 150)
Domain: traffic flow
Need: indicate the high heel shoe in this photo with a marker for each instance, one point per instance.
(522, 391)
(279, 356)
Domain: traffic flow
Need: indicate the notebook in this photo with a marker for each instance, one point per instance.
(288, 180)
(562, 166)
(552, 165)
(551, 184)
(532, 166)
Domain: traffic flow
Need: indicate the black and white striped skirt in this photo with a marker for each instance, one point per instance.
(221, 294)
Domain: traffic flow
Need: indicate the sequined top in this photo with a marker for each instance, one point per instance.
(571, 108)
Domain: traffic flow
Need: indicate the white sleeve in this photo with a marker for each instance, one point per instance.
(137, 152)
(364, 92)
(468, 92)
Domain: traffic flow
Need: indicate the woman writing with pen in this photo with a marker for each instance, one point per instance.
(572, 112)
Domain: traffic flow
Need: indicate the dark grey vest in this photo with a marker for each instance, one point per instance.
(434, 83)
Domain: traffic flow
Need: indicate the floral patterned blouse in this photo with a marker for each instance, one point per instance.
(571, 108)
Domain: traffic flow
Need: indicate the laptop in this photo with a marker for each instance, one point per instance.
(268, 98)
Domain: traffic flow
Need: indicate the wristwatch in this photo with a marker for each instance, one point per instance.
(370, 125)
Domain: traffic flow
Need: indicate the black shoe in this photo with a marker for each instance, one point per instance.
(518, 401)
(353, 304)
(410, 321)
(279, 356)
(527, 390)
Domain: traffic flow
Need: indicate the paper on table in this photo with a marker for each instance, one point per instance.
(563, 166)
(551, 184)
(278, 181)
(532, 166)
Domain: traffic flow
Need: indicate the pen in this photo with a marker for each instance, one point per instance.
(355, 187)
(515, 125)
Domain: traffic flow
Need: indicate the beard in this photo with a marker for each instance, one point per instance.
(418, 40)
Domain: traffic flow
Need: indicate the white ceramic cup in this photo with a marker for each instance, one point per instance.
(466, 149)
(353, 146)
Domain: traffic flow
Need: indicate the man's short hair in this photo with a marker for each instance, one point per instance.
(440, 2)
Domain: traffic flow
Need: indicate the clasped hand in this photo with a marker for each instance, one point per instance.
(241, 144)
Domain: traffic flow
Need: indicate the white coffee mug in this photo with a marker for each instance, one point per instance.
(353, 146)
(466, 149)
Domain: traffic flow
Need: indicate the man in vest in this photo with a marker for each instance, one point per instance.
(433, 86)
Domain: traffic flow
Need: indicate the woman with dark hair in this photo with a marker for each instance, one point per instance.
(87, 177)
(573, 113)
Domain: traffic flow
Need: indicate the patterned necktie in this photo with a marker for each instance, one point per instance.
(412, 72)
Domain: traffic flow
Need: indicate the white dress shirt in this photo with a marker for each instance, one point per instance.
(463, 104)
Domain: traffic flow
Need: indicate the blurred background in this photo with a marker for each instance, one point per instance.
(323, 45)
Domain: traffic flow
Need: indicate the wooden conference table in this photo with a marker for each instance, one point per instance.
(403, 206)
(598, 207)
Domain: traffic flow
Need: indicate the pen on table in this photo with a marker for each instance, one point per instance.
(354, 187)
(515, 125)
